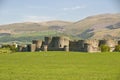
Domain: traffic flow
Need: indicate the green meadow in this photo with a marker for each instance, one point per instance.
(60, 66)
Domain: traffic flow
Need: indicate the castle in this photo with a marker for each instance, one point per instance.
(65, 44)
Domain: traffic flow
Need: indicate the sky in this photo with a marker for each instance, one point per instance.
(12, 11)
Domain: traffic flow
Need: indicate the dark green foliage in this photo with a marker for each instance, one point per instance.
(5, 46)
(104, 48)
(11, 47)
(117, 48)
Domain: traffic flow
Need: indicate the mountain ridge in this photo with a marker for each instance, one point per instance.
(92, 27)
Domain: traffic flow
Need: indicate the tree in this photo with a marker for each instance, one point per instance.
(117, 48)
(11, 47)
(105, 48)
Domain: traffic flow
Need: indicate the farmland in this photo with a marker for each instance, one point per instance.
(60, 66)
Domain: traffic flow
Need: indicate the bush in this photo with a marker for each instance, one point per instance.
(117, 48)
(11, 47)
(104, 48)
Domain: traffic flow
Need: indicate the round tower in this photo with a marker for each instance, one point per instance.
(48, 40)
(45, 48)
(110, 43)
(63, 41)
(38, 44)
(119, 42)
(66, 48)
(102, 42)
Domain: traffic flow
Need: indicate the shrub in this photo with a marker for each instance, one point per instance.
(117, 48)
(11, 47)
(104, 48)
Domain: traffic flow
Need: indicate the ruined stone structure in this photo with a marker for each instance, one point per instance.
(45, 48)
(22, 48)
(119, 42)
(38, 44)
(110, 43)
(76, 45)
(65, 44)
(31, 47)
(49, 44)
(56, 43)
(66, 48)
(84, 45)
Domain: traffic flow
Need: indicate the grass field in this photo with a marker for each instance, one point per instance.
(60, 66)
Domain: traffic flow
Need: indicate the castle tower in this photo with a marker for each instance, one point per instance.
(32, 47)
(62, 41)
(38, 44)
(118, 42)
(102, 42)
(88, 47)
(110, 43)
(92, 45)
(45, 48)
(56, 43)
(48, 40)
(66, 48)
(22, 48)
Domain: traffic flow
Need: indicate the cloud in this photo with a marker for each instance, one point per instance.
(38, 18)
(74, 8)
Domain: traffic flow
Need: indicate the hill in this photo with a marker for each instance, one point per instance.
(97, 27)
(27, 31)
(93, 27)
(28, 27)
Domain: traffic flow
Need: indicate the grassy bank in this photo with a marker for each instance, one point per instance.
(60, 66)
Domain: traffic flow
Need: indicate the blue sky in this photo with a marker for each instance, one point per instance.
(12, 11)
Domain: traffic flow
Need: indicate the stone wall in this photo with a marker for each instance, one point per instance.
(56, 43)
(93, 45)
(64, 44)
(31, 47)
(76, 45)
(38, 44)
(119, 42)
(22, 48)
(84, 45)
(110, 43)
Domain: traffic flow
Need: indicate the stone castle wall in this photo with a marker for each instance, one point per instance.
(64, 44)
(56, 43)
(38, 44)
(76, 45)
(110, 43)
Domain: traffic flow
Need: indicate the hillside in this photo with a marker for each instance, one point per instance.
(93, 27)
(97, 26)
(31, 26)
(27, 31)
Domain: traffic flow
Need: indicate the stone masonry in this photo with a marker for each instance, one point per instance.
(65, 44)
